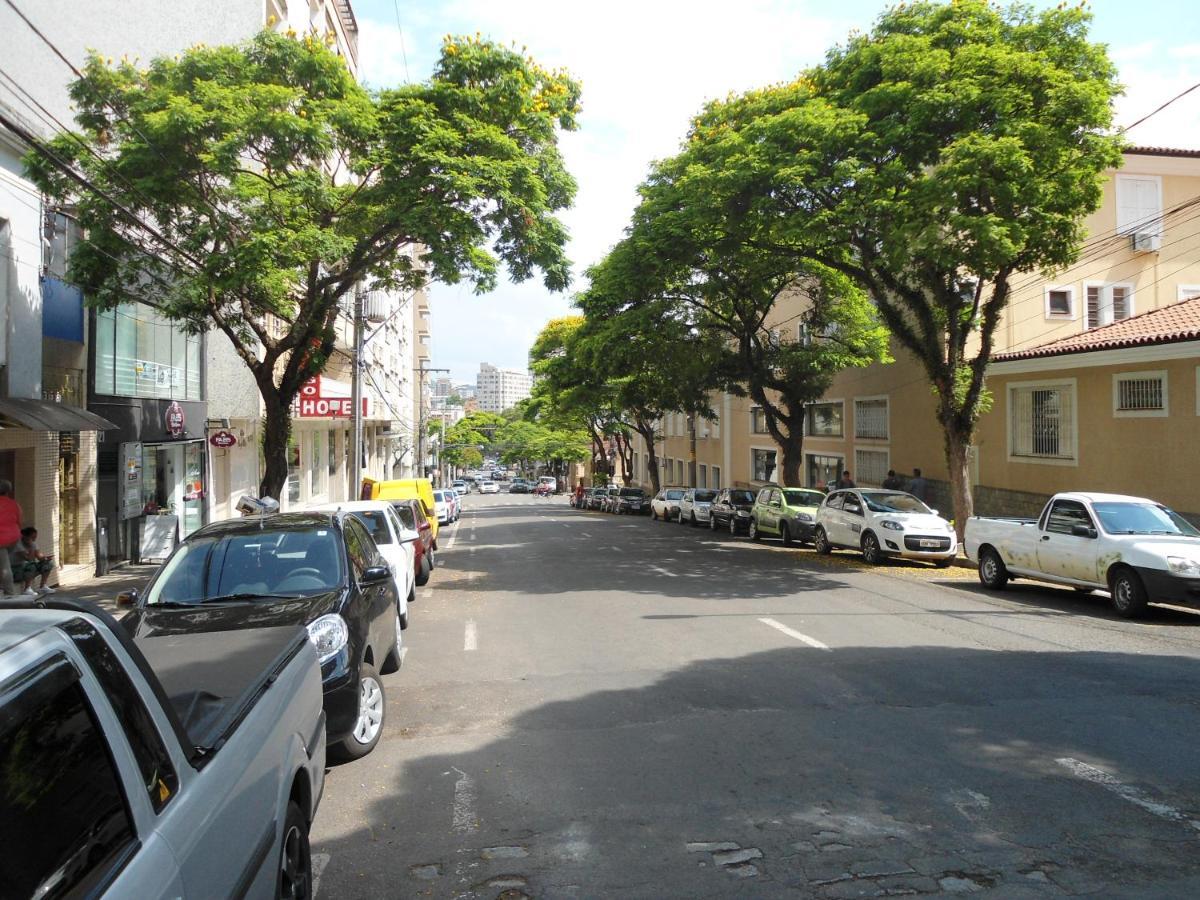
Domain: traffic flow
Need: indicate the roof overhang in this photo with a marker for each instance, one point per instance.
(1113, 356)
(42, 415)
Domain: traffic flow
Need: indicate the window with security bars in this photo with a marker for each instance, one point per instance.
(1108, 303)
(1140, 393)
(870, 467)
(1043, 421)
(871, 419)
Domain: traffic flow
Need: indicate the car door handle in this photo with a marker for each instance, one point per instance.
(1045, 537)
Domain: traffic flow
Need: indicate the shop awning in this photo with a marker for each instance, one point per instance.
(42, 415)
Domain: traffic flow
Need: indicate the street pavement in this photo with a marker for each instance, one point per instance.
(602, 706)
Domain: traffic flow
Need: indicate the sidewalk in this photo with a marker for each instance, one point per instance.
(103, 589)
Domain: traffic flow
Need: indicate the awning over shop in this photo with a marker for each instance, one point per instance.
(42, 415)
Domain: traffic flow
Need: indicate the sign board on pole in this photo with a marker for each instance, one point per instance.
(130, 480)
(223, 439)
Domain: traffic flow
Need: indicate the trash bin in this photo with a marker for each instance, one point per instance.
(101, 546)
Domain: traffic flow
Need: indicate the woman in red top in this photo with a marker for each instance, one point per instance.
(10, 534)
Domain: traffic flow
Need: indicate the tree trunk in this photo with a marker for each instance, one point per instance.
(647, 433)
(277, 427)
(958, 461)
(793, 458)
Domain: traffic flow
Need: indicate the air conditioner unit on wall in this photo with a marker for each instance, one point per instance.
(1145, 242)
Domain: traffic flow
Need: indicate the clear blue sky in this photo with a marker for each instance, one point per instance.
(648, 66)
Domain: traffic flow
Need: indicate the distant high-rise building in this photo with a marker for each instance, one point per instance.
(500, 389)
(442, 388)
(465, 390)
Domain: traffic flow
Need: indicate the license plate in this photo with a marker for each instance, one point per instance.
(933, 544)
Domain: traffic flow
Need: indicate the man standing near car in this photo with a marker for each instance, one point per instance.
(846, 481)
(919, 487)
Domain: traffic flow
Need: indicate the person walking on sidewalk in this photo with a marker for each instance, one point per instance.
(10, 534)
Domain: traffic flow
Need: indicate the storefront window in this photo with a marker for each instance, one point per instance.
(140, 353)
(293, 476)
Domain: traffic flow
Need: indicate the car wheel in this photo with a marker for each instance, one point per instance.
(372, 707)
(821, 542)
(733, 529)
(1128, 594)
(295, 857)
(396, 656)
(694, 522)
(755, 535)
(871, 552)
(785, 533)
(423, 571)
(993, 574)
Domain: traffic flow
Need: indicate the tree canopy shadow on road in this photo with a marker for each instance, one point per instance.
(850, 772)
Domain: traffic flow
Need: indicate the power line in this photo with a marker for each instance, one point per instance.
(1178, 96)
(400, 29)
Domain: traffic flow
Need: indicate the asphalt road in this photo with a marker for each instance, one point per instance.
(601, 706)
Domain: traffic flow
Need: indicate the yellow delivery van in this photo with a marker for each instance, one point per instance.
(404, 489)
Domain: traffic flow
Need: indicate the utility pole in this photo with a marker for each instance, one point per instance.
(422, 371)
(356, 397)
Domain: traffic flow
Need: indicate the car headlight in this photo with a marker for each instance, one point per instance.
(891, 526)
(1182, 565)
(803, 517)
(329, 635)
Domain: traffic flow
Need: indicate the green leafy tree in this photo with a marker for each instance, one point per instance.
(930, 160)
(467, 438)
(691, 252)
(250, 188)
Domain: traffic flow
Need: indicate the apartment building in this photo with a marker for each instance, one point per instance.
(499, 389)
(1113, 319)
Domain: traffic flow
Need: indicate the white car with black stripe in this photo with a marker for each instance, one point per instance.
(882, 524)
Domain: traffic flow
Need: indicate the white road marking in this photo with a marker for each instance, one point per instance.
(464, 803)
(471, 636)
(1125, 791)
(661, 571)
(319, 862)
(791, 632)
(585, 534)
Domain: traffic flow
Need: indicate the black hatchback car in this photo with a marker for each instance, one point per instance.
(731, 510)
(321, 570)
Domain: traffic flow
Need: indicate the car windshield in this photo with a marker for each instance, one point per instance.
(407, 519)
(705, 496)
(674, 495)
(296, 561)
(803, 498)
(888, 502)
(1142, 518)
(632, 492)
(376, 523)
(741, 496)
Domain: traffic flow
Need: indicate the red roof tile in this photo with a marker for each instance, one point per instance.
(1165, 325)
(1161, 151)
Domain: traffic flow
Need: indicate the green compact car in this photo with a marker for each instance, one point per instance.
(786, 513)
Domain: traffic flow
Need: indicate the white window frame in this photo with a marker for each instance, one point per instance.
(714, 475)
(1068, 383)
(772, 449)
(751, 420)
(1061, 317)
(871, 448)
(1148, 226)
(841, 466)
(835, 401)
(1106, 305)
(1187, 291)
(887, 417)
(1118, 377)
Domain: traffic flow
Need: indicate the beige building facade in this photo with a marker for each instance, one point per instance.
(1141, 254)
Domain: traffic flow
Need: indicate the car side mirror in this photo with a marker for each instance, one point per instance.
(935, 512)
(374, 575)
(127, 598)
(1083, 531)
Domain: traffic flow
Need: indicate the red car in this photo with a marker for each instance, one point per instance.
(412, 516)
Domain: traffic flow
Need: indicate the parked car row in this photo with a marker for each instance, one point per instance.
(613, 499)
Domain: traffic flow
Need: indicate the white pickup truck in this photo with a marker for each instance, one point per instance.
(1135, 548)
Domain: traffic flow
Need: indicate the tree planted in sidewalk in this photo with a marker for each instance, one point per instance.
(936, 160)
(250, 188)
(692, 252)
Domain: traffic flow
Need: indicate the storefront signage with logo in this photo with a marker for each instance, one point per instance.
(324, 398)
(175, 422)
(130, 480)
(223, 439)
